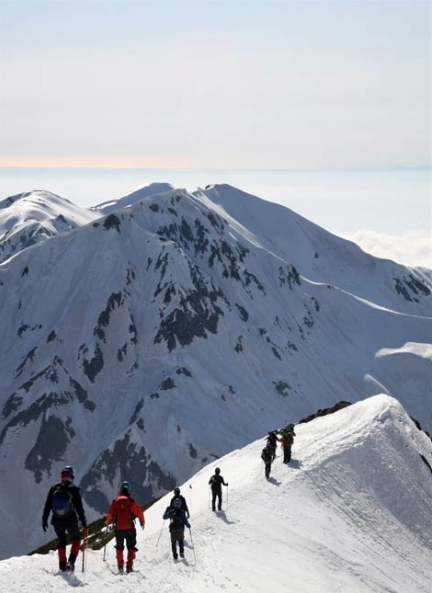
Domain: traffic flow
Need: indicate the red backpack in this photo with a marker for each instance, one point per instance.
(123, 516)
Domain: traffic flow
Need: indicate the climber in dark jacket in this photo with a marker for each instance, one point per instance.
(184, 506)
(267, 457)
(64, 501)
(216, 482)
(178, 522)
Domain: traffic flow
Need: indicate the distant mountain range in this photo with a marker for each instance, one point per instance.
(148, 337)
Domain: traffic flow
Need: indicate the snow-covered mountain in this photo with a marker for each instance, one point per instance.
(28, 218)
(351, 513)
(168, 333)
(132, 198)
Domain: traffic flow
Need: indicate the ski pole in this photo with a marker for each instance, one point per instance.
(227, 496)
(192, 544)
(160, 533)
(83, 548)
(106, 539)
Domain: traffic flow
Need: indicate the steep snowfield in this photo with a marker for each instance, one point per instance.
(124, 340)
(28, 218)
(352, 513)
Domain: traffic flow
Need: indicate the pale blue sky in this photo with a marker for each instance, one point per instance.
(235, 84)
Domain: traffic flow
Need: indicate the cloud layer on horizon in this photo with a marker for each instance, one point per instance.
(413, 248)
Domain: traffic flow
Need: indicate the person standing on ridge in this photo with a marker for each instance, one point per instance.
(176, 496)
(178, 522)
(122, 512)
(267, 457)
(272, 443)
(65, 503)
(216, 482)
(286, 440)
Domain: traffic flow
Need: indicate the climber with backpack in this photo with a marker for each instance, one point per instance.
(267, 457)
(286, 440)
(65, 503)
(178, 522)
(122, 513)
(184, 506)
(216, 482)
(272, 443)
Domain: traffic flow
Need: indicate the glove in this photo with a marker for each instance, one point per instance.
(142, 526)
(44, 524)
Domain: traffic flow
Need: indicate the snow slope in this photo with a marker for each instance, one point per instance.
(126, 340)
(133, 198)
(28, 218)
(352, 513)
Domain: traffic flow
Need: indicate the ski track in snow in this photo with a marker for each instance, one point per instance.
(352, 513)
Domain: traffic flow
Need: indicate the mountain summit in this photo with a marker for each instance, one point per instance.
(153, 340)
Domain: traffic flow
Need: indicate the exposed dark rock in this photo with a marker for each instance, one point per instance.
(276, 352)
(426, 462)
(29, 357)
(196, 313)
(52, 336)
(184, 371)
(25, 272)
(51, 444)
(239, 346)
(154, 207)
(112, 222)
(125, 459)
(24, 327)
(282, 387)
(121, 353)
(94, 366)
(244, 315)
(192, 451)
(339, 406)
(114, 301)
(416, 286)
(137, 410)
(12, 403)
(400, 289)
(82, 395)
(168, 383)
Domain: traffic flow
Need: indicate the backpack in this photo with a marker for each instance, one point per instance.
(266, 455)
(176, 522)
(62, 503)
(123, 515)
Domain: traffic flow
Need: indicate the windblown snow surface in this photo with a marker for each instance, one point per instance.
(352, 513)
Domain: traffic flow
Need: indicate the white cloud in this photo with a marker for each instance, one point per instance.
(413, 248)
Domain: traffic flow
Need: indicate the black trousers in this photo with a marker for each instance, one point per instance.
(177, 537)
(217, 494)
(128, 535)
(71, 528)
(287, 454)
(267, 467)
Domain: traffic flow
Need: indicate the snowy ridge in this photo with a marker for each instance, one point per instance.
(351, 513)
(132, 198)
(28, 218)
(124, 337)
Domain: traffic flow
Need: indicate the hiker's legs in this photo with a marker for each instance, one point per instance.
(61, 550)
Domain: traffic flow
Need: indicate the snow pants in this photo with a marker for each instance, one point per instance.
(72, 528)
(128, 536)
(287, 454)
(217, 494)
(177, 536)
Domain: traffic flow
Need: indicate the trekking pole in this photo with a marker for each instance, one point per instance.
(105, 545)
(83, 548)
(227, 496)
(192, 544)
(160, 533)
